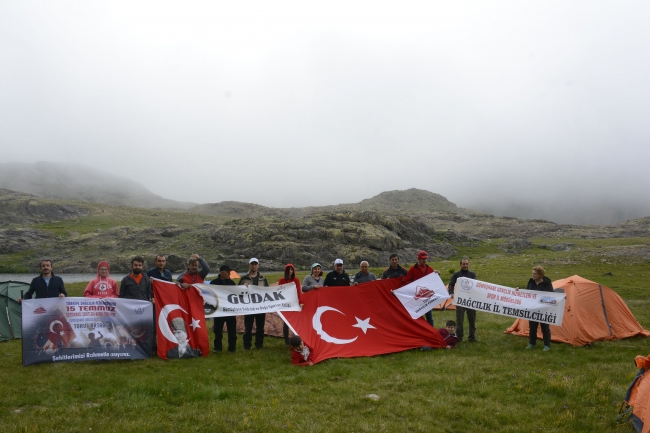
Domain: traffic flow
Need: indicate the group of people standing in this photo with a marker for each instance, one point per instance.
(137, 285)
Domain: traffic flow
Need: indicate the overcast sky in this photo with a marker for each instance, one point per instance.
(314, 103)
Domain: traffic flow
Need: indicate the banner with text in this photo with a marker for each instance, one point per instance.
(543, 307)
(421, 296)
(85, 329)
(219, 301)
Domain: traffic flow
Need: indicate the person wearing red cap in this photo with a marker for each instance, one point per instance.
(102, 286)
(419, 270)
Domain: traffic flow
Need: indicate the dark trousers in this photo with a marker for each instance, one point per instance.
(285, 333)
(429, 316)
(460, 322)
(231, 326)
(259, 330)
(532, 333)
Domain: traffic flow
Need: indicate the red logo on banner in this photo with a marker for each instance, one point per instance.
(423, 292)
(40, 310)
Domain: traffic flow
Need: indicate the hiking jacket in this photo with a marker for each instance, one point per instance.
(102, 287)
(247, 279)
(360, 278)
(545, 286)
(42, 290)
(129, 289)
(219, 282)
(310, 282)
(334, 279)
(298, 358)
(165, 276)
(394, 273)
(450, 339)
(197, 278)
(294, 280)
(415, 273)
(456, 276)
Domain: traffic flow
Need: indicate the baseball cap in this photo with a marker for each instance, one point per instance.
(224, 268)
(422, 255)
(253, 260)
(315, 264)
(338, 262)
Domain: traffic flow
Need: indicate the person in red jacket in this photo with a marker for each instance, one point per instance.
(290, 277)
(449, 334)
(102, 286)
(301, 354)
(417, 271)
(193, 275)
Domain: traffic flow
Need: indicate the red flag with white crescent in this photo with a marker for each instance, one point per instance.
(364, 320)
(180, 321)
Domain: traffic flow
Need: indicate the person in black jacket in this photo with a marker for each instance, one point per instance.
(46, 285)
(460, 311)
(136, 285)
(231, 321)
(337, 277)
(394, 270)
(542, 283)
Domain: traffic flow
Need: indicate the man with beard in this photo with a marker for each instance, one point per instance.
(46, 285)
(231, 321)
(160, 272)
(254, 278)
(460, 311)
(136, 285)
(193, 275)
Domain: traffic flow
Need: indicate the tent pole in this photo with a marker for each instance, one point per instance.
(602, 300)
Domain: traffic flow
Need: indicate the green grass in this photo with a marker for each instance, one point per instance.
(491, 385)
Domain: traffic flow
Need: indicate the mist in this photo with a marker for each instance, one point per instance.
(533, 110)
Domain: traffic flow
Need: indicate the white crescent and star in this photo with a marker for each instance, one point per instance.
(364, 325)
(164, 325)
(52, 325)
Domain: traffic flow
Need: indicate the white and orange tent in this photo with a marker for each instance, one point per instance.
(592, 312)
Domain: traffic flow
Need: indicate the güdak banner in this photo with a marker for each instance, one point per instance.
(219, 301)
(86, 329)
(542, 307)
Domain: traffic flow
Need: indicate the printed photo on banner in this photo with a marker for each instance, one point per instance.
(422, 296)
(84, 329)
(543, 307)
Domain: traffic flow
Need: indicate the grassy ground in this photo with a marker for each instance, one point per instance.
(491, 385)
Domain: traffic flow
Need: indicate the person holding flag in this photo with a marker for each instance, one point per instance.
(289, 277)
(193, 275)
(417, 271)
(102, 286)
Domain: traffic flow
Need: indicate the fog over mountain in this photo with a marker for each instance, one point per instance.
(527, 109)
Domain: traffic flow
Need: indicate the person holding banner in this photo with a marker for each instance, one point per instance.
(542, 283)
(394, 270)
(315, 280)
(231, 321)
(417, 271)
(289, 277)
(363, 276)
(136, 285)
(337, 277)
(160, 271)
(254, 278)
(193, 275)
(460, 311)
(102, 286)
(46, 285)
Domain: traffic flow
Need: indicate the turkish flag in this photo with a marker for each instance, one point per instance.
(364, 320)
(59, 331)
(180, 321)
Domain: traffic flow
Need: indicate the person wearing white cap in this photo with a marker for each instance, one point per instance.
(254, 278)
(337, 277)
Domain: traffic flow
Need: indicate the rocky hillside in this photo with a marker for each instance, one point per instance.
(77, 182)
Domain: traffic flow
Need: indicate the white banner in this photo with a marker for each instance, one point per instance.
(220, 301)
(421, 296)
(543, 307)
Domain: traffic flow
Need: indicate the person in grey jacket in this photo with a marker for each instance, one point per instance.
(460, 311)
(363, 276)
(136, 285)
(315, 280)
(253, 278)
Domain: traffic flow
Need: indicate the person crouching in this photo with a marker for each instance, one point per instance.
(301, 354)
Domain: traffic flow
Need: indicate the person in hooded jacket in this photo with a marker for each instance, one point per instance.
(542, 283)
(289, 277)
(102, 286)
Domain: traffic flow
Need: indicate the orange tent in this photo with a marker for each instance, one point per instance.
(445, 306)
(592, 312)
(638, 396)
(234, 275)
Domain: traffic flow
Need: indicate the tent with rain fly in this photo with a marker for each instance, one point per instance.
(10, 311)
(592, 312)
(638, 396)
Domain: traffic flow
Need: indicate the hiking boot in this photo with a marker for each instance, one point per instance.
(547, 348)
(530, 346)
